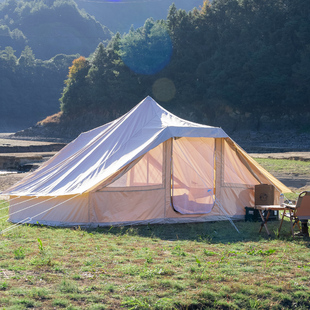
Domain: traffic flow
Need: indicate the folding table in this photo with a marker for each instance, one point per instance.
(270, 208)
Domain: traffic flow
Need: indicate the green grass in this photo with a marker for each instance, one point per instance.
(285, 166)
(291, 168)
(188, 266)
(184, 266)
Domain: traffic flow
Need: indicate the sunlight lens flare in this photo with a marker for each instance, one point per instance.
(147, 53)
(164, 89)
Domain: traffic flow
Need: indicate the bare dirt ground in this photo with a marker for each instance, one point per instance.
(7, 180)
(6, 140)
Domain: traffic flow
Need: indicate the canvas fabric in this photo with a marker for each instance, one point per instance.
(148, 166)
(97, 155)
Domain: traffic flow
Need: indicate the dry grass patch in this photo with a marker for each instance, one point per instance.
(55, 119)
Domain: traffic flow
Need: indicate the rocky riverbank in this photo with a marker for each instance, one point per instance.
(276, 141)
(16, 154)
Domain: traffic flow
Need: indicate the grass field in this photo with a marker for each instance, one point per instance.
(285, 166)
(291, 169)
(184, 266)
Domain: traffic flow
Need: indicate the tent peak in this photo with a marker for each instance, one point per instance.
(149, 101)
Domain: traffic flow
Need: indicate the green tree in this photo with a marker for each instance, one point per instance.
(8, 54)
(27, 58)
(147, 50)
(75, 96)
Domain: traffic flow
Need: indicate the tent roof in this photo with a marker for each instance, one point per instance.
(97, 154)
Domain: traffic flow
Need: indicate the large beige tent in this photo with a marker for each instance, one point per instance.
(148, 166)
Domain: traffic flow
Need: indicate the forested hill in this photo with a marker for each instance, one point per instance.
(37, 41)
(29, 88)
(235, 64)
(238, 64)
(49, 28)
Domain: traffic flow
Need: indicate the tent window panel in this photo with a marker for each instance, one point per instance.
(147, 172)
(193, 175)
(235, 172)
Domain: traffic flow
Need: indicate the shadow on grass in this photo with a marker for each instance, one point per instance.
(207, 232)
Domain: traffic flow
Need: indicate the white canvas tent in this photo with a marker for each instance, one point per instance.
(148, 166)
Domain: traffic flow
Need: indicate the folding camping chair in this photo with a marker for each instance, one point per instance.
(299, 212)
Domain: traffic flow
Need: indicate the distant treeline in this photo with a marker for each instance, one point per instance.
(232, 63)
(247, 59)
(29, 88)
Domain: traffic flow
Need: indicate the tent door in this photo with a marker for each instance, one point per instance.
(192, 175)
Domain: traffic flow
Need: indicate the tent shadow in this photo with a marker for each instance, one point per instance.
(207, 232)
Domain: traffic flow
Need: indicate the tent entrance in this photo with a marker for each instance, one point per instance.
(192, 175)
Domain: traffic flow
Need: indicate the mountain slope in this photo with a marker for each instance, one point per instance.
(49, 28)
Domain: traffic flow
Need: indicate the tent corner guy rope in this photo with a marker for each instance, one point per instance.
(24, 221)
(5, 207)
(16, 203)
(226, 214)
(7, 201)
(28, 219)
(27, 207)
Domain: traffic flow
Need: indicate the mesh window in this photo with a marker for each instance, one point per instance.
(147, 172)
(193, 175)
(235, 171)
